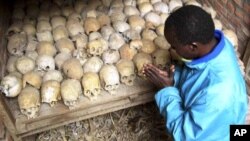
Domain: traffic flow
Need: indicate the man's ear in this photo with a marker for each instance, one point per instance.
(193, 46)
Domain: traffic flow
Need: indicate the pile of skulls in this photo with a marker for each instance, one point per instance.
(62, 49)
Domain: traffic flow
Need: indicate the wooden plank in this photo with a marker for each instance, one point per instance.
(88, 113)
(60, 112)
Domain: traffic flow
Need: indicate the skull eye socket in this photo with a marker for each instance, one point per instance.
(108, 87)
(87, 92)
(96, 90)
(47, 67)
(14, 50)
(124, 77)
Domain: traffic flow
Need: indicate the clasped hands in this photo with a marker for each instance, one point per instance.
(161, 78)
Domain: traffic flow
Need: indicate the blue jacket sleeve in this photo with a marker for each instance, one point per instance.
(209, 116)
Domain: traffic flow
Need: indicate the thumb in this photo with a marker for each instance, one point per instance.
(171, 71)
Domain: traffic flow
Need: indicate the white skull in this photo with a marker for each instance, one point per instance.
(136, 44)
(164, 17)
(79, 6)
(161, 58)
(53, 75)
(149, 34)
(117, 16)
(95, 47)
(106, 31)
(15, 27)
(46, 48)
(148, 46)
(94, 35)
(116, 40)
(161, 42)
(231, 36)
(11, 85)
(17, 44)
(29, 20)
(74, 27)
(136, 22)
(127, 52)
(131, 34)
(81, 55)
(29, 29)
(58, 21)
(91, 25)
(43, 15)
(72, 68)
(160, 7)
(11, 64)
(129, 2)
(155, 1)
(60, 32)
(145, 7)
(80, 41)
(131, 10)
(50, 92)
(60, 58)
(141, 1)
(65, 45)
(109, 77)
(153, 18)
(193, 2)
(126, 69)
(43, 26)
(91, 90)
(103, 19)
(44, 36)
(29, 102)
(160, 30)
(32, 78)
(67, 10)
(174, 5)
(31, 54)
(140, 60)
(45, 63)
(25, 64)
(210, 10)
(120, 26)
(93, 64)
(218, 25)
(110, 56)
(71, 90)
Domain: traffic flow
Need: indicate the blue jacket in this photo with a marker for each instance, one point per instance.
(208, 96)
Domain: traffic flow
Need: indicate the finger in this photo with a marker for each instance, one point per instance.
(171, 71)
(152, 76)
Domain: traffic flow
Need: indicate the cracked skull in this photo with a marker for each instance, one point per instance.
(50, 92)
(11, 85)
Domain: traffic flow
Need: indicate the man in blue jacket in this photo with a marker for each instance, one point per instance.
(203, 97)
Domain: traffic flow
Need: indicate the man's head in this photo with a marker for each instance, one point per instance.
(188, 30)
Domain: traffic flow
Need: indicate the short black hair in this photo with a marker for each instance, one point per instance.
(190, 24)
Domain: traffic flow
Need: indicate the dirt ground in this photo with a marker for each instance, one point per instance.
(139, 123)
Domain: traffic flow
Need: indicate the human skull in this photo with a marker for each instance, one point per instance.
(116, 40)
(210, 10)
(25, 64)
(72, 68)
(79, 6)
(65, 45)
(103, 19)
(15, 27)
(161, 58)
(117, 16)
(148, 46)
(45, 63)
(160, 30)
(74, 27)
(131, 10)
(44, 36)
(110, 56)
(60, 32)
(81, 55)
(149, 34)
(193, 2)
(231, 36)
(93, 89)
(129, 2)
(94, 35)
(95, 47)
(67, 10)
(136, 22)
(50, 92)
(32, 43)
(153, 18)
(53, 75)
(80, 41)
(141, 1)
(16, 44)
(174, 5)
(29, 29)
(58, 21)
(160, 7)
(11, 85)
(60, 58)
(29, 102)
(136, 44)
(32, 78)
(106, 31)
(126, 69)
(29, 20)
(46, 48)
(91, 25)
(140, 60)
(145, 8)
(126, 52)
(43, 26)
(11, 64)
(217, 23)
(161, 42)
(131, 34)
(43, 15)
(93, 64)
(109, 78)
(120, 26)
(164, 17)
(71, 90)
